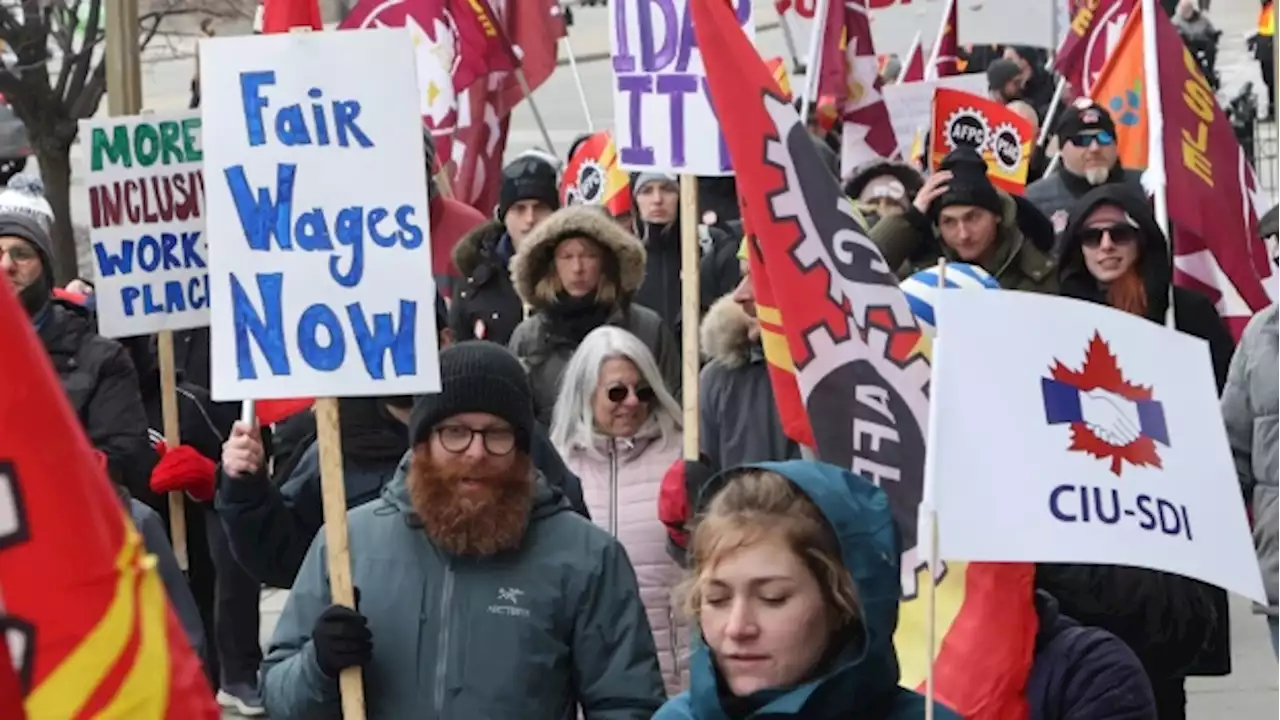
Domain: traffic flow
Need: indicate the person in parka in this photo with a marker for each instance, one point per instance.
(485, 305)
(482, 594)
(959, 214)
(577, 271)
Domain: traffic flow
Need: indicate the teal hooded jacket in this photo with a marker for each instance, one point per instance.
(862, 682)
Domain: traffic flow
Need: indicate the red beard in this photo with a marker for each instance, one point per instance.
(471, 511)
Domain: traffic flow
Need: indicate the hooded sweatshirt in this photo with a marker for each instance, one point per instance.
(532, 633)
(861, 681)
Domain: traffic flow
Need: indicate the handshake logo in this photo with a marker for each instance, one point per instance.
(1110, 417)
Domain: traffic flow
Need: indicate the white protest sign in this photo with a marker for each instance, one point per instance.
(319, 247)
(146, 218)
(894, 23)
(662, 112)
(911, 104)
(1067, 431)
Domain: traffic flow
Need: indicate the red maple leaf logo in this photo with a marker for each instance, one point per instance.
(1102, 371)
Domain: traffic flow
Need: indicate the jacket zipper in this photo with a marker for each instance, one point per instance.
(674, 642)
(442, 651)
(613, 487)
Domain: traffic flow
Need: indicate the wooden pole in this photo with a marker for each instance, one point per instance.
(691, 310)
(172, 439)
(931, 517)
(334, 492)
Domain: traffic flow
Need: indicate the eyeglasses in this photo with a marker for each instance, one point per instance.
(457, 439)
(1120, 235)
(19, 253)
(618, 393)
(1103, 138)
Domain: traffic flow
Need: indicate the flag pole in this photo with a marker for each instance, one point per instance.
(1053, 110)
(691, 305)
(1155, 178)
(927, 518)
(797, 67)
(814, 69)
(537, 116)
(931, 67)
(577, 81)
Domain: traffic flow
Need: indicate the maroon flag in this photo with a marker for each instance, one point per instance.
(1095, 27)
(851, 75)
(1214, 198)
(946, 51)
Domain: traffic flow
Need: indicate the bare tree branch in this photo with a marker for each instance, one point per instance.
(82, 66)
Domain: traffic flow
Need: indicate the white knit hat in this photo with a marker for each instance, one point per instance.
(25, 195)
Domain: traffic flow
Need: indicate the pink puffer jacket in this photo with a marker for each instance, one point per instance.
(629, 470)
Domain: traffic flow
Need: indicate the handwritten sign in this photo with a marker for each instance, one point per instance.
(911, 104)
(146, 209)
(319, 254)
(663, 118)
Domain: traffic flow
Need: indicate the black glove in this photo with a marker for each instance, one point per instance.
(342, 639)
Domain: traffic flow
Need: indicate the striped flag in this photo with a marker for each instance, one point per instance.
(859, 369)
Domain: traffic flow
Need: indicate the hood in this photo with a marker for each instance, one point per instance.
(532, 261)
(475, 247)
(547, 500)
(1034, 224)
(1153, 262)
(725, 333)
(866, 671)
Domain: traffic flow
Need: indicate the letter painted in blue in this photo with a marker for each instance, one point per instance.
(372, 220)
(266, 330)
(151, 305)
(317, 114)
(169, 241)
(384, 336)
(1054, 506)
(291, 127)
(345, 113)
(1101, 509)
(149, 254)
(311, 231)
(1148, 521)
(190, 255)
(253, 103)
(198, 291)
(175, 299)
(325, 358)
(262, 217)
(128, 296)
(1186, 521)
(349, 231)
(1171, 526)
(411, 236)
(110, 263)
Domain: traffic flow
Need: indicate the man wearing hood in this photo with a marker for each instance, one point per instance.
(96, 373)
(1088, 158)
(485, 304)
(482, 594)
(960, 215)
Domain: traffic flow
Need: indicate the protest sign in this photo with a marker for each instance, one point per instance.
(146, 209)
(911, 104)
(1067, 431)
(663, 118)
(1001, 136)
(319, 254)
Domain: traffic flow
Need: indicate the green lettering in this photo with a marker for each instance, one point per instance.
(169, 131)
(146, 144)
(190, 127)
(116, 147)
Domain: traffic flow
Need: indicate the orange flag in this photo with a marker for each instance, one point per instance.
(1119, 88)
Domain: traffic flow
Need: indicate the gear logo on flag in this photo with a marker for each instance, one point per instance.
(1111, 418)
(590, 183)
(1005, 144)
(967, 126)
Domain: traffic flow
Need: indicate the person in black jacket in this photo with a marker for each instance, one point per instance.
(485, 306)
(1115, 254)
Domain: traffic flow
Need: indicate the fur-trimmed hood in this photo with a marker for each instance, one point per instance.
(532, 261)
(476, 246)
(726, 333)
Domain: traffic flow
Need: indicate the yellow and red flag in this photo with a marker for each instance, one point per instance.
(778, 67)
(1119, 89)
(593, 177)
(1001, 136)
(81, 601)
(838, 322)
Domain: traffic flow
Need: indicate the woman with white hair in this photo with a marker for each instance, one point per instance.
(618, 428)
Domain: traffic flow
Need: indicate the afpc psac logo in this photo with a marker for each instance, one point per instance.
(1111, 418)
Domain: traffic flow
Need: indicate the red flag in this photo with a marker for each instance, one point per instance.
(1095, 28)
(946, 50)
(83, 608)
(852, 337)
(913, 68)
(1214, 198)
(592, 177)
(283, 15)
(1001, 136)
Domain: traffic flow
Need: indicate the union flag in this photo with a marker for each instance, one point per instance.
(89, 627)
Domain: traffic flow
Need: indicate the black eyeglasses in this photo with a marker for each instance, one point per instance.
(1120, 235)
(618, 393)
(458, 438)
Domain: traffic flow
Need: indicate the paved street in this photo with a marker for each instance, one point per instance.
(1250, 693)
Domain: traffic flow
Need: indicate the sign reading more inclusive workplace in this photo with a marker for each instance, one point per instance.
(146, 209)
(663, 119)
(319, 247)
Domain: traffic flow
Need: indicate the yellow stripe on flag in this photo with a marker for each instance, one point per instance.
(776, 350)
(144, 694)
(768, 315)
(912, 637)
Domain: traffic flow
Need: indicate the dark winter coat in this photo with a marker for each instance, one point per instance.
(485, 305)
(1193, 314)
(544, 352)
(1057, 193)
(102, 387)
(1083, 673)
(662, 290)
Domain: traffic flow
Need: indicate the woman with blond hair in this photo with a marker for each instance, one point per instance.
(618, 429)
(577, 271)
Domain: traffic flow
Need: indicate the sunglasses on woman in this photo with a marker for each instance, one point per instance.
(1120, 235)
(617, 394)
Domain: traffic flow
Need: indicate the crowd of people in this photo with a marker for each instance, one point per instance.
(530, 542)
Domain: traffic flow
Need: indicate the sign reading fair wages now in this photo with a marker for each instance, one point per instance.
(663, 118)
(319, 254)
(1066, 431)
(146, 210)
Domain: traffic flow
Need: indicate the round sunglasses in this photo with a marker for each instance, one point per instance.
(618, 393)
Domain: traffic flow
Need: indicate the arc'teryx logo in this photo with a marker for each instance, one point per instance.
(510, 596)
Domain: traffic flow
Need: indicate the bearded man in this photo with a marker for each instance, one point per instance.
(481, 593)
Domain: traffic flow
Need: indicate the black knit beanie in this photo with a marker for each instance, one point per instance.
(477, 376)
(528, 177)
(969, 184)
